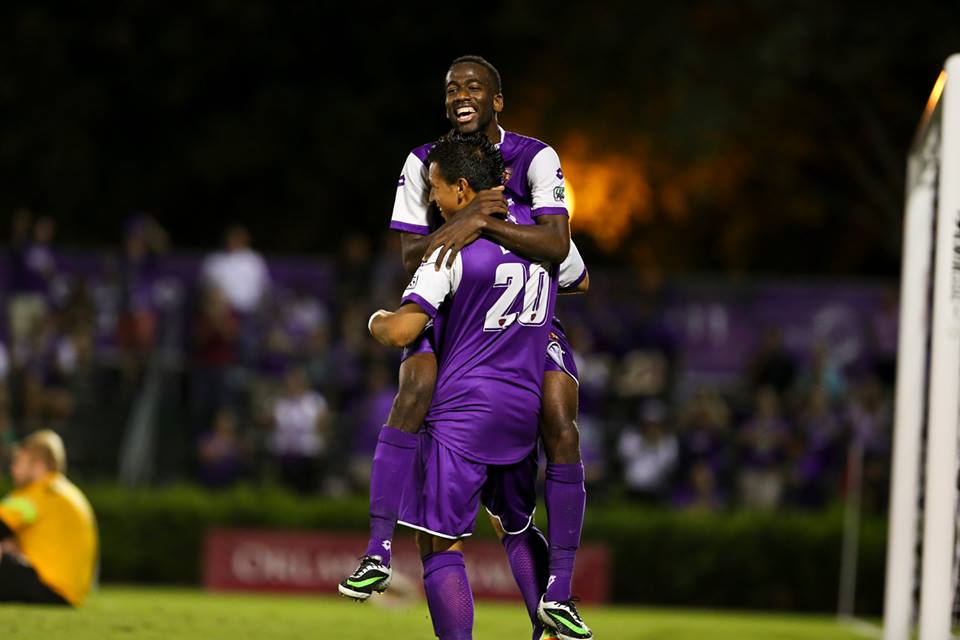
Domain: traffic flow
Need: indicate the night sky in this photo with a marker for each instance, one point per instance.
(734, 137)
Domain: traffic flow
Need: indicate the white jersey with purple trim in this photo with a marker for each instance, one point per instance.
(534, 187)
(491, 316)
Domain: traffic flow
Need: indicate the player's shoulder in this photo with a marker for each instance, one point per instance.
(519, 143)
(420, 152)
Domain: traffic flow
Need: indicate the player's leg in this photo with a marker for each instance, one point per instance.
(441, 503)
(510, 498)
(393, 462)
(19, 582)
(564, 491)
(396, 448)
(447, 587)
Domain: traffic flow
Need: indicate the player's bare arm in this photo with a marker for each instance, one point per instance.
(548, 240)
(398, 328)
(459, 230)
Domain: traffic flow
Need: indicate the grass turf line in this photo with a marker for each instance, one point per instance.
(133, 613)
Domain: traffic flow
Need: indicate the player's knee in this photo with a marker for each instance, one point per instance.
(497, 527)
(424, 543)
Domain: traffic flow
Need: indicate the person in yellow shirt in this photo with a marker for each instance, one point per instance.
(48, 534)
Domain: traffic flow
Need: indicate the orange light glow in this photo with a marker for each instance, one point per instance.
(934, 98)
(612, 192)
(937, 91)
(569, 197)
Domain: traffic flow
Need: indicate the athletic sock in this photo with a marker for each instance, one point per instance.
(392, 465)
(448, 595)
(566, 499)
(529, 562)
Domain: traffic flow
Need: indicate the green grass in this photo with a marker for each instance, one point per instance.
(167, 614)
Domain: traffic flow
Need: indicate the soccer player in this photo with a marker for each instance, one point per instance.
(491, 311)
(537, 226)
(48, 537)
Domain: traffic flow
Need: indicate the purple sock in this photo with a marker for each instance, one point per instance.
(448, 595)
(528, 558)
(566, 500)
(392, 465)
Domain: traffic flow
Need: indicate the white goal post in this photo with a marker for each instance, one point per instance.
(931, 262)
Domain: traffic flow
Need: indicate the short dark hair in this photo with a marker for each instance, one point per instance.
(492, 70)
(470, 156)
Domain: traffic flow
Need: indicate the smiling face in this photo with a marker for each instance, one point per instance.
(472, 98)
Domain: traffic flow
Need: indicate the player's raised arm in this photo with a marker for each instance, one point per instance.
(413, 247)
(548, 240)
(411, 209)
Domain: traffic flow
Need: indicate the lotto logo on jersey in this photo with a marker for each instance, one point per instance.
(402, 181)
(558, 193)
(413, 283)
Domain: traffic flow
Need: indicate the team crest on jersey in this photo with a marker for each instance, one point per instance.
(402, 181)
(558, 193)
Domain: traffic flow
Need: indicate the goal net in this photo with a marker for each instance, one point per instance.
(921, 582)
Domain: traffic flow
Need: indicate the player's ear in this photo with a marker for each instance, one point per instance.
(498, 103)
(462, 187)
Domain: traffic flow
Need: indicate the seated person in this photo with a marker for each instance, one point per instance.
(48, 536)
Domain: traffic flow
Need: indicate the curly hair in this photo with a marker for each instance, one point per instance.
(470, 156)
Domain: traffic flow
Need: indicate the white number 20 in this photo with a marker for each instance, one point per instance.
(536, 296)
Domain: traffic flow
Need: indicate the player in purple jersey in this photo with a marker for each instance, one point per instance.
(534, 198)
(491, 310)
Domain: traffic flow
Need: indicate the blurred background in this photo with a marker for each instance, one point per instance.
(196, 204)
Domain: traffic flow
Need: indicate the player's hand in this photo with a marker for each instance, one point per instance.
(489, 202)
(465, 226)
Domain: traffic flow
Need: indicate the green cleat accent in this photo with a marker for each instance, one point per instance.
(563, 619)
(364, 583)
(372, 576)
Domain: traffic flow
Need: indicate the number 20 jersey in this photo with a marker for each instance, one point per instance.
(491, 311)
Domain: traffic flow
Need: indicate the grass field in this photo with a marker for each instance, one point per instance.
(141, 614)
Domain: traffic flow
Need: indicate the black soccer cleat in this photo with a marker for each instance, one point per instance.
(564, 619)
(371, 576)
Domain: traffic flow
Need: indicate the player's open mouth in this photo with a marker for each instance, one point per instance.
(465, 114)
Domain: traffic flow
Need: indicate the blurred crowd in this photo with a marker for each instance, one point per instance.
(266, 374)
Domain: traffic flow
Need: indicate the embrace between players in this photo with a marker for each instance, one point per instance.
(486, 371)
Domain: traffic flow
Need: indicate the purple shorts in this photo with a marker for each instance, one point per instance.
(559, 352)
(446, 489)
